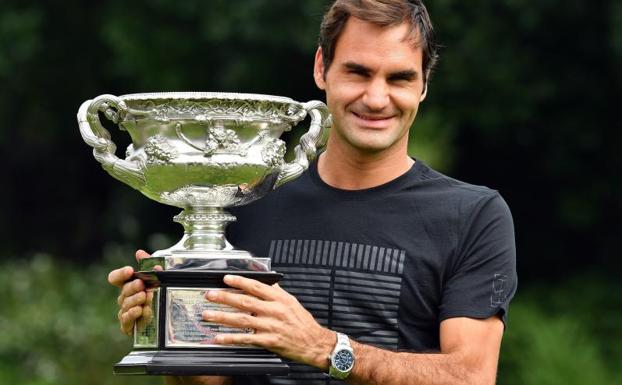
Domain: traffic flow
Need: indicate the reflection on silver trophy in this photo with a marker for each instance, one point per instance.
(201, 152)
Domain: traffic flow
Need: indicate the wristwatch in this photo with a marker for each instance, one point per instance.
(342, 358)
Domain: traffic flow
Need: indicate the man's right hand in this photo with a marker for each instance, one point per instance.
(133, 297)
(135, 306)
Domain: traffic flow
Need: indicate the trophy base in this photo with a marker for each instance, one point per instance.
(222, 362)
(176, 342)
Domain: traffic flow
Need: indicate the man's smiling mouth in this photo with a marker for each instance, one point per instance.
(373, 121)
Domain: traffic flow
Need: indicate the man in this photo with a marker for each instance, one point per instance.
(416, 268)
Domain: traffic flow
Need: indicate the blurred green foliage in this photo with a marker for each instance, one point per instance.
(58, 324)
(565, 333)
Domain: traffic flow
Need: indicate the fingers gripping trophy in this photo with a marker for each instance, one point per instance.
(201, 152)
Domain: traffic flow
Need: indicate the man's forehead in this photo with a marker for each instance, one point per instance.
(357, 31)
(371, 45)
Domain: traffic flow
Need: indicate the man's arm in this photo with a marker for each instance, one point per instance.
(469, 355)
(469, 347)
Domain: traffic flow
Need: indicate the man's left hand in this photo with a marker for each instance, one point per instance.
(282, 325)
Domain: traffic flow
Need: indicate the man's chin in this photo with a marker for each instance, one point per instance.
(370, 142)
(371, 147)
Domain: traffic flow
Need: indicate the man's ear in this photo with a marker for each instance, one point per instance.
(318, 69)
(425, 91)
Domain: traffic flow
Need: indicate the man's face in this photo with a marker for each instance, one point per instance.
(373, 86)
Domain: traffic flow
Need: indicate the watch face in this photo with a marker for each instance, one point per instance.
(344, 359)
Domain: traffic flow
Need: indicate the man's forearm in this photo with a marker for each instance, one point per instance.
(376, 366)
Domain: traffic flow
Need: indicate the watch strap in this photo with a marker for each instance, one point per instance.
(343, 343)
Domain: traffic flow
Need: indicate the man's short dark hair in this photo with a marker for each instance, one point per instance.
(385, 13)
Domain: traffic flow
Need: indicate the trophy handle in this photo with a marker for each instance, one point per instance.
(306, 150)
(96, 136)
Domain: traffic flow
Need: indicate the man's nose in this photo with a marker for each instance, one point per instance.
(376, 95)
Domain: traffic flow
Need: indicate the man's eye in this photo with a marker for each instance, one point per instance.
(400, 79)
(358, 73)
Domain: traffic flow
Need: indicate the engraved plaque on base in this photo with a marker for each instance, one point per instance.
(201, 152)
(185, 327)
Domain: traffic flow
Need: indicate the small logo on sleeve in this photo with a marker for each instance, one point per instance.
(499, 283)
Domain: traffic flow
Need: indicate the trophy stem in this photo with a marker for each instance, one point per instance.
(204, 228)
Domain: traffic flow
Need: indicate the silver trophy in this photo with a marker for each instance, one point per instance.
(201, 152)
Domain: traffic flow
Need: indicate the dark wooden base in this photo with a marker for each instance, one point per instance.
(200, 278)
(224, 362)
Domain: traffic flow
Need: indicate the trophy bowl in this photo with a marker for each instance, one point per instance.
(201, 152)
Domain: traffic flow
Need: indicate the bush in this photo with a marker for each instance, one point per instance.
(564, 335)
(58, 324)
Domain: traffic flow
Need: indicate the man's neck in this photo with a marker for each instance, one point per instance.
(361, 171)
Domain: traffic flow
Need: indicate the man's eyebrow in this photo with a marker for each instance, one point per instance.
(405, 75)
(359, 68)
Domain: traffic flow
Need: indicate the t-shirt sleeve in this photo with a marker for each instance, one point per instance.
(482, 279)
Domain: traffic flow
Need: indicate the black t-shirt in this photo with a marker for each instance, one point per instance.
(385, 265)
